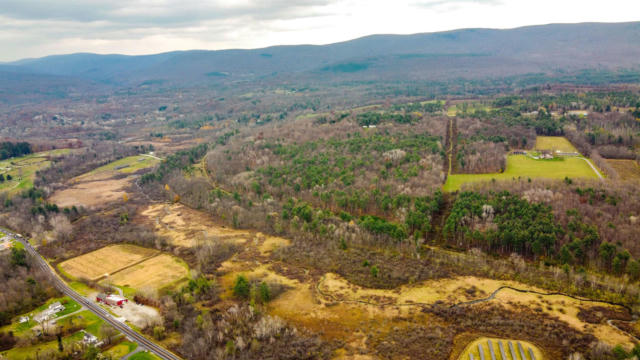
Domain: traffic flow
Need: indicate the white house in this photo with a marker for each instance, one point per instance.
(90, 339)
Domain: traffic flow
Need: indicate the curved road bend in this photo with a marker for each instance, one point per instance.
(93, 307)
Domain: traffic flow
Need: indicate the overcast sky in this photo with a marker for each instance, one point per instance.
(34, 28)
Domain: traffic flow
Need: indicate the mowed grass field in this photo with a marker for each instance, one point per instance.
(155, 273)
(120, 350)
(23, 169)
(107, 260)
(126, 165)
(522, 166)
(554, 143)
(483, 341)
(627, 169)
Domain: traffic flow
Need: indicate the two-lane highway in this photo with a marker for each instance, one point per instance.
(95, 308)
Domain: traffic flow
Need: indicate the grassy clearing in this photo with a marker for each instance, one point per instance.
(107, 260)
(452, 110)
(471, 107)
(157, 272)
(554, 143)
(132, 163)
(120, 350)
(627, 169)
(483, 341)
(183, 226)
(23, 169)
(565, 309)
(144, 355)
(521, 166)
(100, 186)
(80, 288)
(85, 319)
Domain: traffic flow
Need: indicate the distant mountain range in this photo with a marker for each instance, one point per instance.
(467, 53)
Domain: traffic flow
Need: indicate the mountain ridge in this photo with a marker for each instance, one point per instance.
(464, 53)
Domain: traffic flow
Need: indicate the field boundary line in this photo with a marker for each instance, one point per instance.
(130, 265)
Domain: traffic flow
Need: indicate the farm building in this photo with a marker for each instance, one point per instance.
(49, 313)
(111, 299)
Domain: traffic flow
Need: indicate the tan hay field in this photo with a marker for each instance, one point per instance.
(627, 169)
(107, 260)
(155, 273)
(92, 194)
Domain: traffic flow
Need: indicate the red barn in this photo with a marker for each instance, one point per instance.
(111, 299)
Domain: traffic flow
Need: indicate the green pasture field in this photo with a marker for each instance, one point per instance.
(133, 163)
(522, 166)
(120, 350)
(23, 169)
(554, 143)
(143, 355)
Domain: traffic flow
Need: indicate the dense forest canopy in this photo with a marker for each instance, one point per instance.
(9, 149)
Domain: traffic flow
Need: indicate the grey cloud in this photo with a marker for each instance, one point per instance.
(439, 3)
(145, 13)
(38, 27)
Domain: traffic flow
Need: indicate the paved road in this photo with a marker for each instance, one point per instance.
(95, 308)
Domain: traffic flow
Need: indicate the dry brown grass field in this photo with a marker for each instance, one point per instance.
(102, 185)
(155, 273)
(108, 260)
(627, 169)
(92, 194)
(184, 227)
(331, 305)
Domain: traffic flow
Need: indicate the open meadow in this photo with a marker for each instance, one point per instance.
(154, 273)
(554, 143)
(185, 227)
(105, 261)
(103, 185)
(522, 166)
(626, 169)
(128, 266)
(125, 165)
